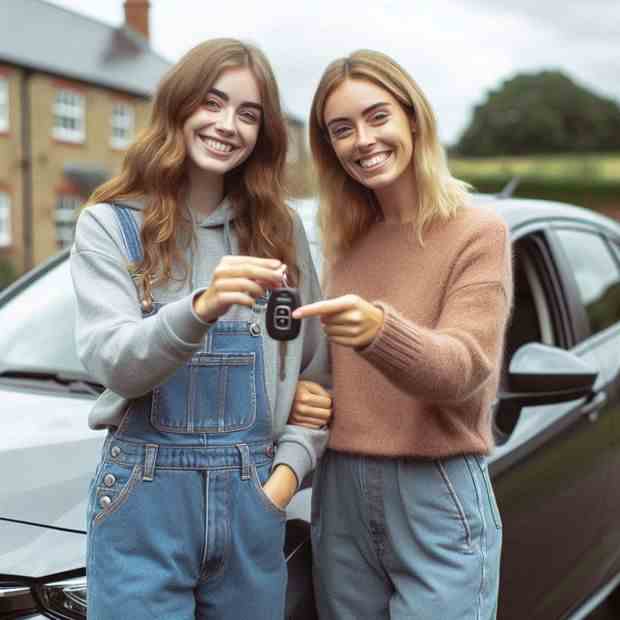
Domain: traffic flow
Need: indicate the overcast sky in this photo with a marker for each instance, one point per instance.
(455, 49)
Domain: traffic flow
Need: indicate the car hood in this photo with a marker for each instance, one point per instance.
(37, 551)
(47, 457)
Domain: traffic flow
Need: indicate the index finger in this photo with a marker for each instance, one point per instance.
(270, 263)
(322, 308)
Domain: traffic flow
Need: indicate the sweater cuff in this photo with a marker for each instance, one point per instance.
(397, 343)
(296, 457)
(183, 322)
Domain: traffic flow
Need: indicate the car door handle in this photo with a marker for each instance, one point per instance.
(593, 405)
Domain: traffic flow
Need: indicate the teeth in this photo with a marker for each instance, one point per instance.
(218, 146)
(373, 161)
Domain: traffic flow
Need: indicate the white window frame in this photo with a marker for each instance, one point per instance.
(4, 104)
(69, 116)
(6, 237)
(292, 152)
(65, 215)
(122, 122)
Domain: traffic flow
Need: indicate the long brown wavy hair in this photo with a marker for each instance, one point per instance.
(347, 208)
(154, 167)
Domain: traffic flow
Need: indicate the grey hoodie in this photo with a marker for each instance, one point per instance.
(131, 355)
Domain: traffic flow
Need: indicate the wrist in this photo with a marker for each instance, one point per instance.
(201, 308)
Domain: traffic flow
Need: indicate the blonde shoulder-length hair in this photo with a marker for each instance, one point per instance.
(347, 208)
(154, 165)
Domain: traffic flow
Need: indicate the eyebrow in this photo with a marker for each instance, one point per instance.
(369, 109)
(225, 97)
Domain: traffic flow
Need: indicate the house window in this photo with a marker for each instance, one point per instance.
(5, 220)
(66, 213)
(69, 113)
(123, 121)
(4, 104)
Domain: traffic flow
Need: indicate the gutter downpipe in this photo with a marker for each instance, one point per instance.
(26, 167)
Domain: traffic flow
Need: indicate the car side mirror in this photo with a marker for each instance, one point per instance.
(542, 375)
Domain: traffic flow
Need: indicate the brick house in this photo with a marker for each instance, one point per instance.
(73, 93)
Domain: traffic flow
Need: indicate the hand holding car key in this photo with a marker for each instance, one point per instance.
(280, 322)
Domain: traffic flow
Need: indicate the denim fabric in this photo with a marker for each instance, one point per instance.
(178, 524)
(405, 538)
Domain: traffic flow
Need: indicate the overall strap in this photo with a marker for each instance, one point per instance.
(130, 232)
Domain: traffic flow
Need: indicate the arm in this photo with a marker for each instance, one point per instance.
(299, 447)
(130, 354)
(452, 361)
(123, 351)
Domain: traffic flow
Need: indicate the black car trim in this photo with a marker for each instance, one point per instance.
(49, 527)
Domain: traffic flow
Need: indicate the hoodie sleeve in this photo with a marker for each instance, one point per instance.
(300, 447)
(125, 352)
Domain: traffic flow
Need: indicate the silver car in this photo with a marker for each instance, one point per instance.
(556, 470)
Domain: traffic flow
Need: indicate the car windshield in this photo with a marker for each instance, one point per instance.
(37, 326)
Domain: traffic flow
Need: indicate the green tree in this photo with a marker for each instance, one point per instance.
(541, 113)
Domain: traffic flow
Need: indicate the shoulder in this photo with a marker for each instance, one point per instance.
(477, 225)
(98, 229)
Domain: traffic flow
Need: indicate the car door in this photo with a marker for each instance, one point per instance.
(593, 281)
(548, 488)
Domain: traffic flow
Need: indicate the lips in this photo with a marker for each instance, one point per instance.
(219, 146)
(376, 160)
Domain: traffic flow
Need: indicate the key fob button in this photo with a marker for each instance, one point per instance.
(280, 323)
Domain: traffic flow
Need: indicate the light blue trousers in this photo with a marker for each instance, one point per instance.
(405, 539)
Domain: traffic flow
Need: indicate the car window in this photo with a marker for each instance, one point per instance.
(596, 274)
(531, 317)
(38, 325)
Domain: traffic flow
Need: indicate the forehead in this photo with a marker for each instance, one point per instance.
(352, 97)
(239, 84)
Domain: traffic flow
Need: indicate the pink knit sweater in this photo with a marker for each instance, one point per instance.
(425, 385)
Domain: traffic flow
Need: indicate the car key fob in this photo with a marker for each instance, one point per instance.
(280, 322)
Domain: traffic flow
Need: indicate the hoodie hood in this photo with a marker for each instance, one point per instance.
(215, 219)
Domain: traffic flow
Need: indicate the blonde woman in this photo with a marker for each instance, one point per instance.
(171, 265)
(419, 286)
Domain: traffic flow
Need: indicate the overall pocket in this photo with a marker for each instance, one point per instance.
(260, 475)
(113, 487)
(213, 393)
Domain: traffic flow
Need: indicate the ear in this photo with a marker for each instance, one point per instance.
(412, 123)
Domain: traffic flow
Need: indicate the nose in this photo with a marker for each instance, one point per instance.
(365, 138)
(226, 122)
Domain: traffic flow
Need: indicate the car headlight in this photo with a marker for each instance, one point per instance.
(63, 599)
(15, 598)
(60, 599)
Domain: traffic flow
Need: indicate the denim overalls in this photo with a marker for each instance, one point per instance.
(178, 524)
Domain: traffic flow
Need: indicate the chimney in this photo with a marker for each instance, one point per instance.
(137, 16)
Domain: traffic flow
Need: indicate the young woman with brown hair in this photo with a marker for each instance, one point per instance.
(172, 263)
(405, 523)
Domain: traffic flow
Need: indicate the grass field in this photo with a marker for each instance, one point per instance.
(591, 180)
(592, 166)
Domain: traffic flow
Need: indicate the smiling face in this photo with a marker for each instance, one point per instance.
(222, 133)
(370, 133)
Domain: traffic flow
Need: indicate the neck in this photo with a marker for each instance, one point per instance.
(399, 200)
(205, 191)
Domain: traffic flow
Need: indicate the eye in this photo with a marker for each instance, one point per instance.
(340, 131)
(212, 104)
(379, 116)
(249, 116)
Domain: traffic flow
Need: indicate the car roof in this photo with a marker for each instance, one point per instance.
(519, 211)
